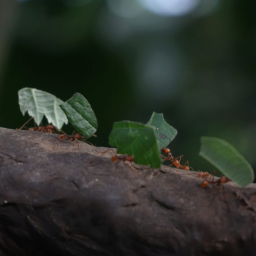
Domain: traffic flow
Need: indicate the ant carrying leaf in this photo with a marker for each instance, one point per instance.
(47, 128)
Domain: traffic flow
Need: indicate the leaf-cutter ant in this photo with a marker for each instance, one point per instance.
(218, 182)
(48, 128)
(74, 137)
(203, 174)
(122, 158)
(175, 161)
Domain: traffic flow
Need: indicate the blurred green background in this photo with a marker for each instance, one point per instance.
(193, 60)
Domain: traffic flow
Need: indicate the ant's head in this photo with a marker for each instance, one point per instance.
(129, 158)
(50, 127)
(223, 179)
(62, 136)
(113, 158)
(204, 184)
(166, 150)
(186, 168)
(78, 136)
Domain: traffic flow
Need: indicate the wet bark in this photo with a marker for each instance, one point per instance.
(70, 200)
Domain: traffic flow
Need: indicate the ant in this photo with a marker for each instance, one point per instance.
(48, 128)
(218, 182)
(74, 137)
(122, 158)
(169, 154)
(175, 161)
(203, 174)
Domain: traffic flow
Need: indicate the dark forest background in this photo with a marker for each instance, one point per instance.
(193, 60)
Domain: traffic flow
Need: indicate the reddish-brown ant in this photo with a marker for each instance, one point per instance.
(175, 161)
(203, 174)
(169, 156)
(186, 166)
(48, 128)
(75, 137)
(122, 158)
(218, 182)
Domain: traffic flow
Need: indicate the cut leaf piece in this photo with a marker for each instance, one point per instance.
(227, 159)
(138, 140)
(80, 115)
(165, 132)
(39, 103)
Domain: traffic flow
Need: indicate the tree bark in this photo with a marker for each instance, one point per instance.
(58, 198)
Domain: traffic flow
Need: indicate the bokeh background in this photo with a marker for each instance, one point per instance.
(193, 60)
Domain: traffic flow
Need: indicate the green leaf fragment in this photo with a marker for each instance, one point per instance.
(227, 159)
(165, 132)
(39, 103)
(80, 115)
(138, 140)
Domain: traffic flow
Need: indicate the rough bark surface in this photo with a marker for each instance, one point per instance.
(74, 201)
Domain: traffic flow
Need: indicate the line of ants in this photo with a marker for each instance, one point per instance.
(207, 178)
(175, 161)
(54, 130)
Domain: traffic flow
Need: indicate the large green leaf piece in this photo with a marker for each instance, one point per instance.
(165, 132)
(80, 115)
(39, 103)
(227, 159)
(138, 140)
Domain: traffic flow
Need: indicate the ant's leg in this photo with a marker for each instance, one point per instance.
(55, 142)
(77, 143)
(41, 124)
(117, 161)
(180, 158)
(25, 123)
(165, 158)
(191, 168)
(108, 150)
(174, 162)
(134, 172)
(187, 165)
(89, 143)
(171, 164)
(212, 177)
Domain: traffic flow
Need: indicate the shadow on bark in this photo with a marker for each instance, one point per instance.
(73, 201)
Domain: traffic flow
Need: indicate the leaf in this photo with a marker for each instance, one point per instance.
(138, 140)
(39, 103)
(227, 159)
(165, 132)
(80, 114)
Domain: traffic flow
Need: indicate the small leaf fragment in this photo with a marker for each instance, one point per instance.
(138, 140)
(165, 132)
(80, 114)
(227, 159)
(39, 103)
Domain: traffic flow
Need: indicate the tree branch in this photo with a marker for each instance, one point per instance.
(73, 201)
